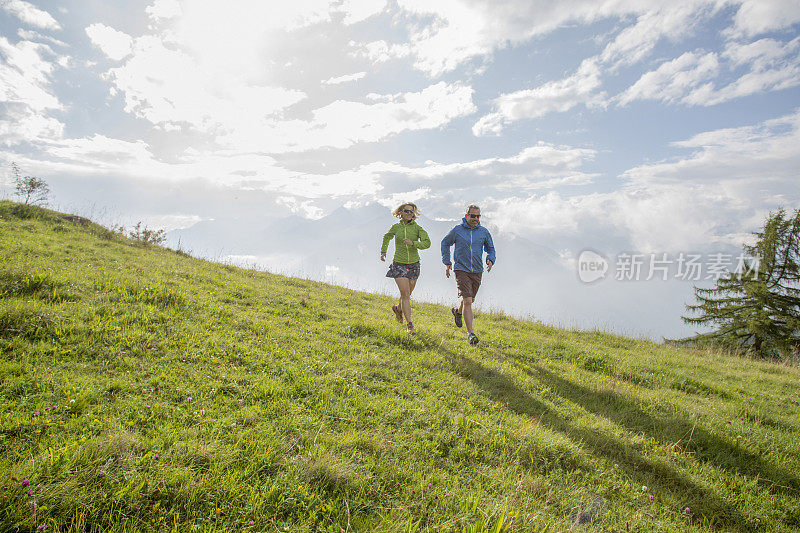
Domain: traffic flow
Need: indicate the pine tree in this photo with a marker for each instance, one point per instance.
(757, 308)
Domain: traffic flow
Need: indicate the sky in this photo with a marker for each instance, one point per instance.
(621, 151)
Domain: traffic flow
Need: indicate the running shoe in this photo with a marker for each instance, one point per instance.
(472, 339)
(410, 328)
(456, 316)
(398, 314)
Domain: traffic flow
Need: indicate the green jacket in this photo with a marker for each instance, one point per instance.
(406, 253)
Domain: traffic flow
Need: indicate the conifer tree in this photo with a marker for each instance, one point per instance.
(757, 308)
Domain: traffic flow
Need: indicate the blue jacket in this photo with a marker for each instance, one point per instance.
(470, 244)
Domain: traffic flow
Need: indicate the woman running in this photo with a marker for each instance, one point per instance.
(408, 238)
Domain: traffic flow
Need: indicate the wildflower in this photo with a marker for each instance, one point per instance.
(33, 505)
(251, 523)
(202, 412)
(41, 527)
(155, 456)
(189, 399)
(30, 492)
(5, 487)
(644, 488)
(26, 482)
(72, 401)
(650, 497)
(37, 413)
(687, 510)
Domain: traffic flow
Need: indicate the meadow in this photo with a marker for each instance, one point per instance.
(144, 389)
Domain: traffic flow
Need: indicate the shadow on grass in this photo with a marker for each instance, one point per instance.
(704, 503)
(704, 445)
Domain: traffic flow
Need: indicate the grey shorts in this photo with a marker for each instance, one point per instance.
(468, 283)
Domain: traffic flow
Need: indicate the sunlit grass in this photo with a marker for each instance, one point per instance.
(143, 389)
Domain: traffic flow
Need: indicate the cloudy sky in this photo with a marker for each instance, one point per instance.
(279, 134)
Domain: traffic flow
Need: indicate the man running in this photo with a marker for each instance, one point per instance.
(471, 239)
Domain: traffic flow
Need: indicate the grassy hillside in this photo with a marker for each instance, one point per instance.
(143, 389)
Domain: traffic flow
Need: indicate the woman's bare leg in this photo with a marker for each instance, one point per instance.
(405, 296)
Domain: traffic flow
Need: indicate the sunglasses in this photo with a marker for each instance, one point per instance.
(408, 210)
(473, 216)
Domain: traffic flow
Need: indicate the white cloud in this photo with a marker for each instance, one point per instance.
(342, 123)
(656, 21)
(30, 35)
(447, 33)
(169, 222)
(29, 14)
(161, 10)
(168, 87)
(539, 167)
(561, 95)
(771, 65)
(672, 80)
(113, 43)
(380, 51)
(714, 196)
(305, 208)
(359, 10)
(344, 79)
(21, 124)
(25, 75)
(758, 155)
(759, 16)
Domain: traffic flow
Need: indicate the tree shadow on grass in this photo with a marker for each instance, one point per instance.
(701, 443)
(704, 503)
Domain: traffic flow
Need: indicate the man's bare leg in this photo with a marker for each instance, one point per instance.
(466, 311)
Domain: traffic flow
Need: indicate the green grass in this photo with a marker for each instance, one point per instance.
(193, 396)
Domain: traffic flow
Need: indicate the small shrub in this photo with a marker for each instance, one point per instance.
(31, 189)
(144, 235)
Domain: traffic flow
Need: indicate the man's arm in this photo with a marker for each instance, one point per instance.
(447, 242)
(488, 245)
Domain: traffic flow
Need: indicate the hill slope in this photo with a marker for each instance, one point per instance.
(143, 389)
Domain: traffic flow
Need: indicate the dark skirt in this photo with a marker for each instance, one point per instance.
(403, 270)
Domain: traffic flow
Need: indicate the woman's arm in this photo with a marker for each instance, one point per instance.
(424, 240)
(386, 238)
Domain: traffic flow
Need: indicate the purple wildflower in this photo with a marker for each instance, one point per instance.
(37, 413)
(26, 482)
(33, 505)
(41, 527)
(155, 456)
(30, 492)
(251, 523)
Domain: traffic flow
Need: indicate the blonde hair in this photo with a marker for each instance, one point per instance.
(399, 211)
